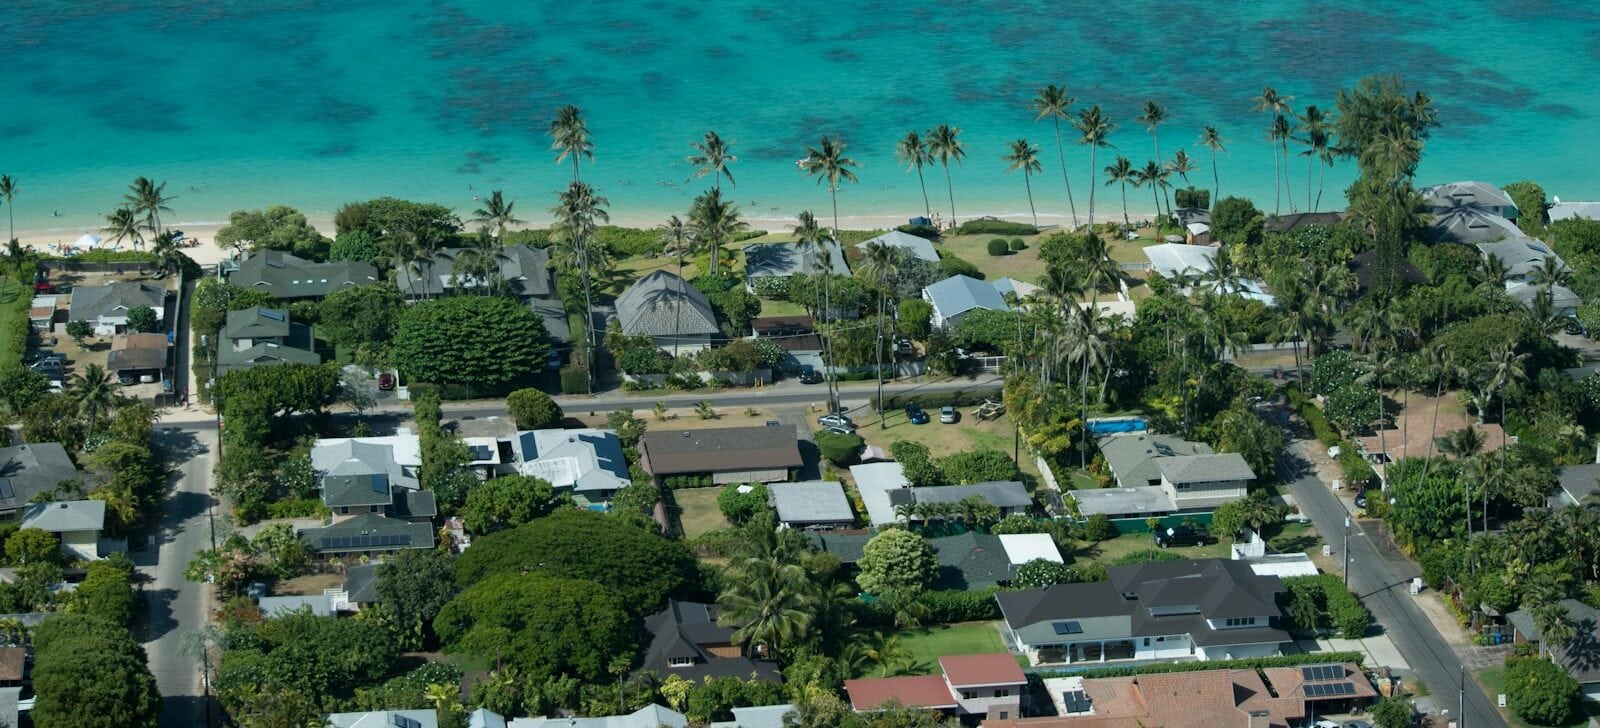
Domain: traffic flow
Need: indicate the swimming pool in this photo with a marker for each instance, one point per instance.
(1120, 424)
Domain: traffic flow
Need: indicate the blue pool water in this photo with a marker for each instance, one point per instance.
(315, 103)
(1109, 427)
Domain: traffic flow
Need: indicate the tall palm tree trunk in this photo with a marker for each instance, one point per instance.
(1310, 160)
(1061, 155)
(949, 187)
(927, 209)
(1028, 182)
(1287, 190)
(1092, 185)
(1125, 205)
(1322, 174)
(1216, 181)
(1277, 183)
(882, 425)
(588, 316)
(827, 304)
(1156, 139)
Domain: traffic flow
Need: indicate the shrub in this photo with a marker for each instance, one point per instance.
(978, 466)
(1098, 528)
(532, 409)
(935, 400)
(1190, 197)
(998, 246)
(953, 266)
(1018, 245)
(927, 232)
(1332, 371)
(1539, 691)
(956, 605)
(915, 319)
(142, 319)
(740, 507)
(644, 359)
(839, 449)
(574, 380)
(991, 226)
(629, 242)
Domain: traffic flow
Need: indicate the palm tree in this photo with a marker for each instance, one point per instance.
(569, 136)
(149, 199)
(93, 393)
(712, 157)
(1551, 272)
(1053, 103)
(1024, 156)
(579, 211)
(1154, 116)
(1094, 130)
(1278, 134)
(1212, 139)
(1119, 172)
(1314, 123)
(8, 190)
(1269, 102)
(769, 605)
(1183, 164)
(169, 258)
(122, 225)
(1150, 175)
(715, 220)
(676, 237)
(1505, 368)
(913, 153)
(880, 264)
(944, 144)
(827, 162)
(496, 215)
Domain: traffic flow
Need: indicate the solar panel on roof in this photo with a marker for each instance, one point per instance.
(1076, 701)
(401, 721)
(5, 488)
(270, 314)
(1067, 628)
(1322, 672)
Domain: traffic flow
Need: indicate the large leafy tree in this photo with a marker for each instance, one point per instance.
(897, 560)
(88, 673)
(544, 626)
(637, 565)
(324, 657)
(361, 316)
(982, 465)
(1383, 129)
(284, 389)
(415, 584)
(509, 501)
(279, 227)
(532, 409)
(481, 340)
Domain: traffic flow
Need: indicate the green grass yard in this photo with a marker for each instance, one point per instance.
(1107, 552)
(781, 308)
(928, 644)
(1493, 682)
(697, 511)
(968, 434)
(9, 310)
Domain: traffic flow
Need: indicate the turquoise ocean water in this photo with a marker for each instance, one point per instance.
(244, 103)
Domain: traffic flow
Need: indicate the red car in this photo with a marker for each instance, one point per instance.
(385, 382)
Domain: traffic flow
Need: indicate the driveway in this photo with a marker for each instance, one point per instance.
(1380, 577)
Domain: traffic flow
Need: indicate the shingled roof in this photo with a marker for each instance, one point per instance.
(287, 276)
(729, 448)
(662, 304)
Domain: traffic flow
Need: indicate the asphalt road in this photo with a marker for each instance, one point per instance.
(1383, 586)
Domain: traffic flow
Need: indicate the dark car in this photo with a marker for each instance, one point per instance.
(1573, 327)
(1183, 536)
(915, 414)
(809, 375)
(385, 382)
(1361, 499)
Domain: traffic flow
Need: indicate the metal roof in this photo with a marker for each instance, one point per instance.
(958, 294)
(662, 304)
(814, 501)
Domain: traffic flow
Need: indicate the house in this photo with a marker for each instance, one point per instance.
(28, 470)
(525, 270)
(367, 535)
(954, 297)
(781, 260)
(1574, 210)
(397, 457)
(318, 605)
(1563, 302)
(1576, 482)
(1011, 497)
(1185, 265)
(260, 355)
(76, 523)
(13, 667)
(260, 336)
(1295, 221)
(370, 486)
(796, 335)
(1203, 482)
(759, 716)
(1470, 225)
(1133, 457)
(687, 641)
(42, 312)
(650, 716)
(1580, 655)
(1196, 222)
(1442, 199)
(288, 277)
(989, 685)
(427, 718)
(1365, 266)
(1212, 609)
(106, 307)
(726, 455)
(667, 309)
(913, 246)
(971, 560)
(1243, 698)
(586, 463)
(138, 355)
(816, 504)
(875, 482)
(1521, 256)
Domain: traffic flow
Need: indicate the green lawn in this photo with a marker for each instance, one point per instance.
(968, 434)
(9, 310)
(1493, 682)
(1107, 552)
(928, 644)
(781, 308)
(1023, 265)
(697, 511)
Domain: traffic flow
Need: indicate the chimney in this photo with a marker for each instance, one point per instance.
(1259, 719)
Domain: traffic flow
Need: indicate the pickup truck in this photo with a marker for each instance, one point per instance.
(1183, 536)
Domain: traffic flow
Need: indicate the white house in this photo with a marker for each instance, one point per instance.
(106, 307)
(954, 297)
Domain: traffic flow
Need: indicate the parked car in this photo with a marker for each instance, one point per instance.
(1183, 536)
(1573, 327)
(126, 380)
(1361, 499)
(837, 420)
(809, 375)
(841, 430)
(552, 360)
(948, 415)
(915, 414)
(385, 382)
(903, 347)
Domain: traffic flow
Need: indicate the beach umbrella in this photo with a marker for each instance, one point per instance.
(88, 240)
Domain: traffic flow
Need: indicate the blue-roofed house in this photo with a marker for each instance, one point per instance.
(914, 246)
(781, 260)
(587, 463)
(954, 297)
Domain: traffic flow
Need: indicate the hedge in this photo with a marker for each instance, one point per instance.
(927, 232)
(1333, 603)
(1312, 414)
(1248, 663)
(933, 400)
(991, 226)
(15, 340)
(110, 256)
(998, 246)
(630, 242)
(955, 605)
(574, 380)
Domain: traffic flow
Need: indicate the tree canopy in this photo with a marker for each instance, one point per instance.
(89, 673)
(361, 316)
(415, 584)
(323, 657)
(284, 389)
(532, 409)
(983, 465)
(279, 227)
(509, 501)
(470, 340)
(544, 625)
(897, 560)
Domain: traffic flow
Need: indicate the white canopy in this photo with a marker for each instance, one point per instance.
(87, 240)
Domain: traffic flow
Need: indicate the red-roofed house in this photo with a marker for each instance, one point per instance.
(988, 685)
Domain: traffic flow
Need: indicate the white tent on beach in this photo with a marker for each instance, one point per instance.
(87, 241)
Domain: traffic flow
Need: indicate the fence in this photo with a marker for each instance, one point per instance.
(78, 266)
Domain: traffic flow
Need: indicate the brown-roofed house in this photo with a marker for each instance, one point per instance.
(1409, 434)
(13, 666)
(920, 691)
(138, 353)
(728, 455)
(988, 685)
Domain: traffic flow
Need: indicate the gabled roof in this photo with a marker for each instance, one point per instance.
(385, 719)
(847, 546)
(1525, 294)
(257, 322)
(585, 460)
(1294, 221)
(758, 716)
(1574, 210)
(1578, 481)
(394, 456)
(722, 449)
(1581, 655)
(1521, 255)
(915, 246)
(970, 561)
(875, 481)
(1175, 259)
(27, 470)
(958, 294)
(684, 630)
(319, 604)
(137, 351)
(1219, 588)
(265, 353)
(555, 318)
(63, 516)
(1124, 500)
(1133, 458)
(650, 716)
(1470, 224)
(113, 300)
(1009, 285)
(356, 489)
(976, 671)
(1001, 494)
(1205, 468)
(921, 691)
(785, 259)
(1465, 194)
(525, 268)
(662, 304)
(361, 583)
(815, 501)
(368, 532)
(412, 504)
(1021, 548)
(287, 276)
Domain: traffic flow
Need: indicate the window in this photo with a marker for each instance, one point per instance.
(969, 695)
(1067, 627)
(1240, 621)
(680, 661)
(1147, 642)
(1004, 714)
(1002, 693)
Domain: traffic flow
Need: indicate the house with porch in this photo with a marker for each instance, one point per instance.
(76, 524)
(764, 454)
(990, 686)
(1212, 609)
(106, 307)
(586, 463)
(136, 356)
(781, 260)
(370, 487)
(955, 297)
(664, 307)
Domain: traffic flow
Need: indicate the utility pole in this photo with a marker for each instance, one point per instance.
(1461, 708)
(1347, 552)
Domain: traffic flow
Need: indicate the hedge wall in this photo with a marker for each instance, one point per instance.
(932, 400)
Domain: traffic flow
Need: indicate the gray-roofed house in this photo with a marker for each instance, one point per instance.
(1579, 655)
(814, 504)
(1521, 256)
(367, 535)
(1442, 198)
(729, 455)
(426, 718)
(1563, 302)
(106, 307)
(555, 318)
(264, 354)
(1133, 457)
(1159, 475)
(1576, 482)
(1213, 609)
(758, 716)
(138, 354)
(954, 297)
(31, 469)
(687, 641)
(915, 246)
(667, 309)
(524, 268)
(287, 277)
(588, 463)
(1010, 496)
(781, 260)
(1569, 210)
(1205, 481)
(650, 716)
(877, 482)
(76, 523)
(971, 560)
(361, 585)
(259, 336)
(318, 605)
(370, 486)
